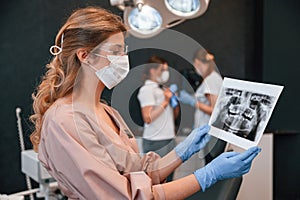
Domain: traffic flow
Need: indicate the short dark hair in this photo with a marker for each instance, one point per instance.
(153, 63)
(156, 59)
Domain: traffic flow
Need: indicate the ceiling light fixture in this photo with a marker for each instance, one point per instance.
(147, 18)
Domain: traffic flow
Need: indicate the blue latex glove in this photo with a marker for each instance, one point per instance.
(227, 165)
(195, 141)
(186, 98)
(173, 88)
(173, 101)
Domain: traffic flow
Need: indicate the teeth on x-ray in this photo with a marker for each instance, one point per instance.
(243, 112)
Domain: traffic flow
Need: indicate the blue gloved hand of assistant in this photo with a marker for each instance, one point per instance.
(186, 98)
(173, 101)
(195, 141)
(173, 88)
(227, 165)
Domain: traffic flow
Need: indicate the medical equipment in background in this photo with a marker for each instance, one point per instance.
(21, 138)
(33, 169)
(147, 18)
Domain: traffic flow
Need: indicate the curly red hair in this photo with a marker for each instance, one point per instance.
(85, 28)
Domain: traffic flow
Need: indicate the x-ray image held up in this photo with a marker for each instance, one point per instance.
(242, 111)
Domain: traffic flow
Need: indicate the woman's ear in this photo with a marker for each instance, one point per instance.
(82, 54)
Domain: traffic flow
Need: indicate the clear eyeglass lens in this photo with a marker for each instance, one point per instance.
(113, 49)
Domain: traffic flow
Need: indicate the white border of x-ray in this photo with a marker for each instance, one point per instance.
(267, 89)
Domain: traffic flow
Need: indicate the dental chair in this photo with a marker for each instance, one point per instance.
(33, 170)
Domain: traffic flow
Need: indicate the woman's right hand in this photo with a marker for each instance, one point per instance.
(193, 143)
(227, 165)
(168, 94)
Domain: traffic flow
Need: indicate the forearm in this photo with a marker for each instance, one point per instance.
(205, 108)
(168, 164)
(150, 114)
(181, 188)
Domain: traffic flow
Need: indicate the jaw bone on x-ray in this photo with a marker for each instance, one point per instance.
(242, 111)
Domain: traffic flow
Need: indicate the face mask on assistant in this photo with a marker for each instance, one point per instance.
(164, 77)
(115, 72)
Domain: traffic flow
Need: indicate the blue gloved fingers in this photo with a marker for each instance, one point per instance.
(173, 88)
(206, 139)
(243, 156)
(254, 149)
(195, 141)
(175, 96)
(202, 135)
(202, 130)
(205, 127)
(244, 169)
(202, 142)
(184, 95)
(174, 101)
(183, 92)
(198, 133)
(186, 98)
(229, 154)
(251, 157)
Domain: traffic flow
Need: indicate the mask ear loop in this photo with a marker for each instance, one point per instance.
(57, 47)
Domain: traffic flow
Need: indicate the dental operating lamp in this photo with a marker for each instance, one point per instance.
(147, 18)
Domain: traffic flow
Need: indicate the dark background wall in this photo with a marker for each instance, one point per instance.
(281, 40)
(251, 39)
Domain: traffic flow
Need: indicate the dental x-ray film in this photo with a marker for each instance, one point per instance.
(242, 111)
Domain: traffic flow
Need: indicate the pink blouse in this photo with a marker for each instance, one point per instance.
(90, 161)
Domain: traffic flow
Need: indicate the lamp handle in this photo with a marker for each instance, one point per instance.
(174, 23)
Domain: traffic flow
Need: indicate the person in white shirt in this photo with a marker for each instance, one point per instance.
(157, 111)
(205, 97)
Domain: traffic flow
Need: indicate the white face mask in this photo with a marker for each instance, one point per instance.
(164, 77)
(115, 72)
